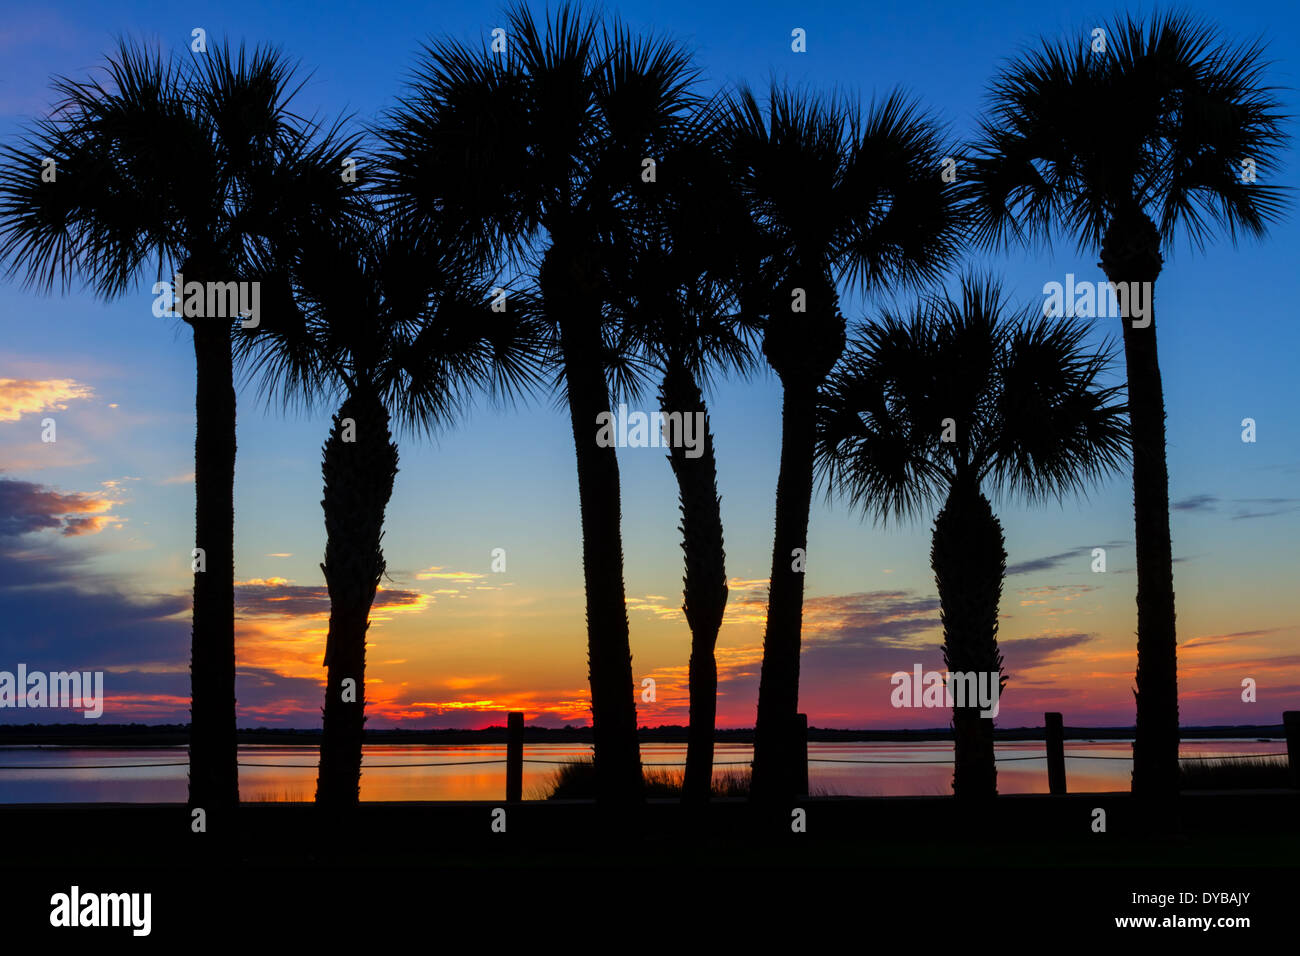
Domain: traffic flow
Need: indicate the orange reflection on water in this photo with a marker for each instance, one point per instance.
(422, 772)
(478, 772)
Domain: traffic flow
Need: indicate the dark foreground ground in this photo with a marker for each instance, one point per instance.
(875, 868)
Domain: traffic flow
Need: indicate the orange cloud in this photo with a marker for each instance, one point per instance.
(572, 706)
(746, 602)
(280, 596)
(74, 527)
(25, 396)
(281, 626)
(146, 706)
(656, 605)
(26, 507)
(463, 683)
(442, 574)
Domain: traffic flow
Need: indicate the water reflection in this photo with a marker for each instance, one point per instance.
(477, 772)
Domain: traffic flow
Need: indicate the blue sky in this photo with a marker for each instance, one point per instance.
(505, 478)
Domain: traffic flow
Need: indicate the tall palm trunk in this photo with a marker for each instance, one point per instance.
(801, 349)
(969, 559)
(1131, 253)
(569, 299)
(704, 591)
(776, 774)
(359, 477)
(214, 769)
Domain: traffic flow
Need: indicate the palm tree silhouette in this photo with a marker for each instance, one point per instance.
(1181, 116)
(834, 194)
(676, 293)
(402, 329)
(536, 149)
(960, 396)
(198, 167)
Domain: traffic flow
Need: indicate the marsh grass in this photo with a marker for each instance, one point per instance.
(576, 780)
(1254, 773)
(282, 796)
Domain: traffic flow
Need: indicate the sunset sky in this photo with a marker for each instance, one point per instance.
(96, 527)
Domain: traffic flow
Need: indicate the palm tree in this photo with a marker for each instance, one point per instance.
(201, 168)
(1180, 119)
(834, 195)
(402, 330)
(537, 150)
(959, 397)
(676, 293)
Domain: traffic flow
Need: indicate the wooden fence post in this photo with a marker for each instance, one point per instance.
(1055, 752)
(514, 756)
(801, 741)
(1291, 721)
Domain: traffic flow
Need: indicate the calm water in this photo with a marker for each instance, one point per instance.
(62, 774)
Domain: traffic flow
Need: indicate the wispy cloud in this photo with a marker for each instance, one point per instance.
(1051, 593)
(1226, 638)
(442, 574)
(1196, 503)
(1264, 507)
(1047, 562)
(1025, 653)
(279, 596)
(27, 507)
(657, 605)
(1241, 508)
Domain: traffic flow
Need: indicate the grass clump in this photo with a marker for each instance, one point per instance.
(1255, 773)
(576, 780)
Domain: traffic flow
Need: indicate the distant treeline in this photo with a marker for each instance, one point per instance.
(172, 735)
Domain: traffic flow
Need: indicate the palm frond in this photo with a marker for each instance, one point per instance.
(1163, 121)
(963, 389)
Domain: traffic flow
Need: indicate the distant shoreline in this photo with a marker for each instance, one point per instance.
(175, 735)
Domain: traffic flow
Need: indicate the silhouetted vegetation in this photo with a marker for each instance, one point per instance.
(1231, 774)
(931, 410)
(576, 780)
(1184, 108)
(528, 166)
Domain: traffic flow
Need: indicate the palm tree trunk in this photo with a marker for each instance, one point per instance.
(969, 559)
(704, 592)
(1131, 253)
(776, 773)
(571, 303)
(359, 477)
(801, 348)
(214, 768)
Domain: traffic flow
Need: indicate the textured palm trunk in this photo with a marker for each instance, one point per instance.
(801, 348)
(1131, 253)
(969, 560)
(359, 479)
(570, 301)
(214, 769)
(776, 769)
(704, 591)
